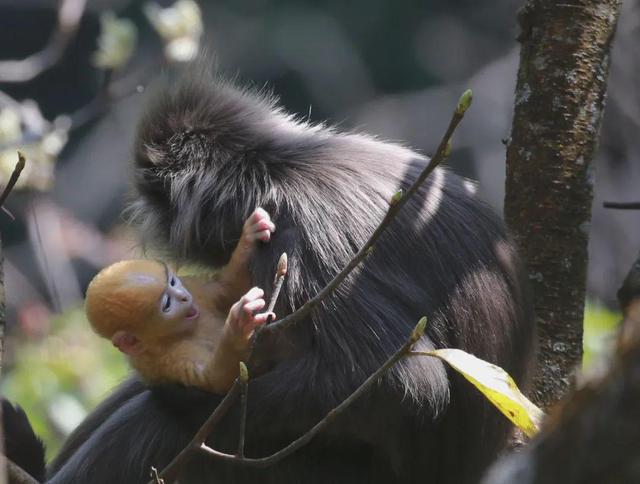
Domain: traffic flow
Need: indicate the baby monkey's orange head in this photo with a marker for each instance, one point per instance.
(136, 301)
(125, 295)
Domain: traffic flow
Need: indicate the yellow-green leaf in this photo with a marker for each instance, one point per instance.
(496, 385)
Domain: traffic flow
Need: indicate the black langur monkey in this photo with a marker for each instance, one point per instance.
(208, 153)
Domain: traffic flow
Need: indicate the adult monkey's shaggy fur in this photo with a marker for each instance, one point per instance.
(207, 154)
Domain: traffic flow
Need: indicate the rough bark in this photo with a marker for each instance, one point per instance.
(560, 97)
(3, 324)
(592, 438)
(3, 311)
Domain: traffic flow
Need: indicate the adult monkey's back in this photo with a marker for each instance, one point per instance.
(207, 154)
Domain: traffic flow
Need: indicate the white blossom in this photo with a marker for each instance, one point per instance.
(116, 43)
(180, 25)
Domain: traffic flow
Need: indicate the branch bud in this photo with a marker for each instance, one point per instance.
(464, 102)
(418, 331)
(282, 265)
(396, 197)
(244, 373)
(22, 161)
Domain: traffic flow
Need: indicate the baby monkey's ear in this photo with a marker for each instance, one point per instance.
(128, 343)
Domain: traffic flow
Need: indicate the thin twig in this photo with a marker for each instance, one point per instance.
(23, 70)
(170, 472)
(244, 379)
(13, 179)
(112, 92)
(622, 205)
(155, 477)
(397, 202)
(443, 151)
(281, 273)
(330, 417)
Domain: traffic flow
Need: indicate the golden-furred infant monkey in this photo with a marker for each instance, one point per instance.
(187, 330)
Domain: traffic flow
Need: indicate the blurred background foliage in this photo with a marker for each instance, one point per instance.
(393, 69)
(57, 378)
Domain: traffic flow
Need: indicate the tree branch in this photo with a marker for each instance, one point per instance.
(330, 417)
(69, 16)
(281, 272)
(559, 103)
(397, 202)
(622, 205)
(111, 93)
(13, 179)
(170, 472)
(16, 474)
(244, 379)
(592, 436)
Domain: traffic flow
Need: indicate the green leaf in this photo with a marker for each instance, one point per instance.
(496, 385)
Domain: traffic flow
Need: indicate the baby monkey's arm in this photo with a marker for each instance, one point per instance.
(234, 343)
(235, 277)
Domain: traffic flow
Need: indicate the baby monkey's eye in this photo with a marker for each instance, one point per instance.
(166, 303)
(172, 281)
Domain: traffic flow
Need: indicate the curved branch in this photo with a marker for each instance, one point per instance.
(397, 202)
(330, 417)
(23, 70)
(170, 472)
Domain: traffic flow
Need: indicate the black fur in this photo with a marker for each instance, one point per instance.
(207, 154)
(21, 445)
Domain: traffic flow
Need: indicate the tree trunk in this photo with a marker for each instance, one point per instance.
(3, 309)
(593, 437)
(560, 97)
(3, 324)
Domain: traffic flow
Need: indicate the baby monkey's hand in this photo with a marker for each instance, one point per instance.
(242, 319)
(235, 276)
(258, 227)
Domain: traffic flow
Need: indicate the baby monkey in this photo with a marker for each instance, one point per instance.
(187, 330)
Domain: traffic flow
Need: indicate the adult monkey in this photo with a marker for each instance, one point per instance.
(207, 154)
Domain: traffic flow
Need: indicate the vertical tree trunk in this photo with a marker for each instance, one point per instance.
(593, 437)
(3, 324)
(560, 97)
(3, 308)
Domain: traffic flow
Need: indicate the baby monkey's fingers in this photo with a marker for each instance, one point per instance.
(237, 310)
(251, 307)
(242, 317)
(262, 318)
(251, 323)
(259, 226)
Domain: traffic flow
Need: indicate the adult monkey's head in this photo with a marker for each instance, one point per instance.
(135, 303)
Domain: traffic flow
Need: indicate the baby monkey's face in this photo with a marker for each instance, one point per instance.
(177, 303)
